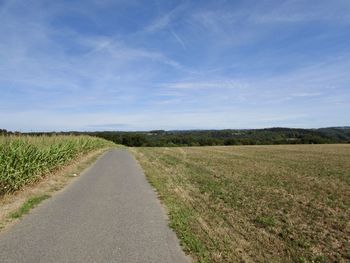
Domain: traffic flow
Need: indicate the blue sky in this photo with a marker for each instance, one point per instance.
(141, 65)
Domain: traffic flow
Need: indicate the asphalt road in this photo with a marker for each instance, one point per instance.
(109, 214)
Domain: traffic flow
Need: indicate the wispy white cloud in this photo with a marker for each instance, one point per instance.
(295, 12)
(178, 39)
(306, 94)
(317, 83)
(47, 75)
(143, 121)
(231, 75)
(274, 13)
(205, 85)
(230, 27)
(164, 20)
(118, 50)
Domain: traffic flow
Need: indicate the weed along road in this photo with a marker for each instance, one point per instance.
(109, 214)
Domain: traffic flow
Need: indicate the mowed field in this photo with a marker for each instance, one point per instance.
(255, 203)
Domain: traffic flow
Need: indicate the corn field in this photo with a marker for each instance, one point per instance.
(25, 159)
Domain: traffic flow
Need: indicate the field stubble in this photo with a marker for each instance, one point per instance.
(256, 203)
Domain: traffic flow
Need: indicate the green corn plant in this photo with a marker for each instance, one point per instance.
(25, 159)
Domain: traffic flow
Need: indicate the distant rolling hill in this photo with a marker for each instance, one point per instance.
(275, 135)
(337, 133)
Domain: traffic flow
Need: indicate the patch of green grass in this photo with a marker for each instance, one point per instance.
(265, 221)
(320, 259)
(28, 205)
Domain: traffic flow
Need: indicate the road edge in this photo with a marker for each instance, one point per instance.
(16, 205)
(164, 208)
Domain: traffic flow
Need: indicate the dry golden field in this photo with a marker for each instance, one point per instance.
(255, 203)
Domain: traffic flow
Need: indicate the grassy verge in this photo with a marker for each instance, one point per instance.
(256, 203)
(29, 204)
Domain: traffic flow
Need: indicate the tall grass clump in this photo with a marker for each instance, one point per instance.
(25, 159)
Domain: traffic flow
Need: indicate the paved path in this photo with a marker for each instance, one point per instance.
(109, 214)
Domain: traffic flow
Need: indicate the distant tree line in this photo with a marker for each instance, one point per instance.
(268, 136)
(225, 137)
(3, 131)
(6, 132)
